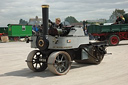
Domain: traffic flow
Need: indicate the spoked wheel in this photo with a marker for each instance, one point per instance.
(59, 62)
(97, 55)
(36, 61)
(114, 40)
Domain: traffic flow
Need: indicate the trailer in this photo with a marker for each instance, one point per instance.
(3, 31)
(16, 31)
(113, 34)
(58, 48)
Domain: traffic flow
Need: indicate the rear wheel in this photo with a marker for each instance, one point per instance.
(114, 40)
(59, 62)
(36, 61)
(95, 56)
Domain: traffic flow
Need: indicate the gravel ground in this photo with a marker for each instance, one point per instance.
(113, 70)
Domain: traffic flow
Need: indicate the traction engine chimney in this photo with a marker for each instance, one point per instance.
(45, 17)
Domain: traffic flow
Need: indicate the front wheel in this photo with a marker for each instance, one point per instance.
(36, 61)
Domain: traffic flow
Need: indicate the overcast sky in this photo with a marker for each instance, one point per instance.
(11, 11)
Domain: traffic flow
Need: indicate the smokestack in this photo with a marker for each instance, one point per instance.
(45, 17)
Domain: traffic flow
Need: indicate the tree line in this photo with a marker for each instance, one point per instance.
(71, 19)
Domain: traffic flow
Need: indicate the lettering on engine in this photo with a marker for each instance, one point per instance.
(62, 47)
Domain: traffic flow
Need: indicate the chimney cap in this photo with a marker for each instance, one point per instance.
(45, 6)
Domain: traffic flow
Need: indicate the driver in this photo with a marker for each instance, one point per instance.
(57, 24)
(56, 28)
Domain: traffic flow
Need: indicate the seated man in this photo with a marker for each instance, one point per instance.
(54, 27)
(57, 28)
(57, 23)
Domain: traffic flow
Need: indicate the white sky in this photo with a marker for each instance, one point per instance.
(11, 11)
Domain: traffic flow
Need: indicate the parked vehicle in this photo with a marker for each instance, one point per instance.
(3, 31)
(16, 31)
(19, 31)
(111, 33)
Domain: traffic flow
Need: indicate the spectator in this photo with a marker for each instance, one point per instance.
(117, 20)
(120, 20)
(34, 29)
(85, 27)
(40, 29)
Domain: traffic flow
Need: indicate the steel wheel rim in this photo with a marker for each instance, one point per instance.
(99, 57)
(114, 40)
(61, 63)
(37, 60)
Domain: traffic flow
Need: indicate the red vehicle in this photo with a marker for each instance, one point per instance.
(1, 34)
(111, 33)
(3, 31)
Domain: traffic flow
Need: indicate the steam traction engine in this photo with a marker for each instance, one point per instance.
(59, 47)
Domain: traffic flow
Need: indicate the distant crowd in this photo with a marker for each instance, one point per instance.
(36, 29)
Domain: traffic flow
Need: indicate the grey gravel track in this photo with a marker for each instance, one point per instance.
(113, 70)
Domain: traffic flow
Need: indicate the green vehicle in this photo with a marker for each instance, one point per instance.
(18, 31)
(111, 33)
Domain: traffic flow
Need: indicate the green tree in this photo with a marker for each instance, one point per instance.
(71, 19)
(23, 22)
(116, 13)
